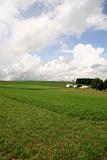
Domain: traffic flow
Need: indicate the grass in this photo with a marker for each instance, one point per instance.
(46, 121)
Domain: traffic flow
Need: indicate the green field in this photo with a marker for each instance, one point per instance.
(46, 121)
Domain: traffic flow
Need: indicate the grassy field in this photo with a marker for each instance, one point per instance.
(46, 121)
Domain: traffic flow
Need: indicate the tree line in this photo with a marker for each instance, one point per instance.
(86, 81)
(96, 83)
(99, 84)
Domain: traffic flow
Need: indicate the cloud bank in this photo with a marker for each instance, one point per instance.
(86, 61)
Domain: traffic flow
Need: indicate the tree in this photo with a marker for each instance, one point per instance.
(97, 84)
(105, 84)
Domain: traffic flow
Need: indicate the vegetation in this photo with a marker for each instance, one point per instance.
(46, 121)
(97, 84)
(105, 84)
(86, 81)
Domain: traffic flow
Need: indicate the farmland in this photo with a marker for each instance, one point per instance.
(46, 121)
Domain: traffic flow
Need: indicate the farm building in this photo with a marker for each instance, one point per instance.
(84, 87)
(75, 86)
(69, 85)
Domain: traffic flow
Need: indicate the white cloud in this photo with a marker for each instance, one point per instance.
(83, 64)
(36, 32)
(64, 48)
(98, 19)
(87, 55)
(20, 36)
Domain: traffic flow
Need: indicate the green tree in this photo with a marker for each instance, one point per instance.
(97, 84)
(105, 84)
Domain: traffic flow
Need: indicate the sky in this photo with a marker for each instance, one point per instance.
(53, 39)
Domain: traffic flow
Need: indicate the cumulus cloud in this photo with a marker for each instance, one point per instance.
(19, 36)
(67, 17)
(87, 55)
(82, 64)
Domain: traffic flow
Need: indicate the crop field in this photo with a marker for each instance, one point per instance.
(46, 121)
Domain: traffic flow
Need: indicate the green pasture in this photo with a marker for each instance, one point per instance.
(46, 121)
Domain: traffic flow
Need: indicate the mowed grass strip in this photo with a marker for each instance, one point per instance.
(52, 125)
(84, 104)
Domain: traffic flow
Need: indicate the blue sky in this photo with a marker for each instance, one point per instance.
(97, 38)
(53, 39)
(105, 7)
